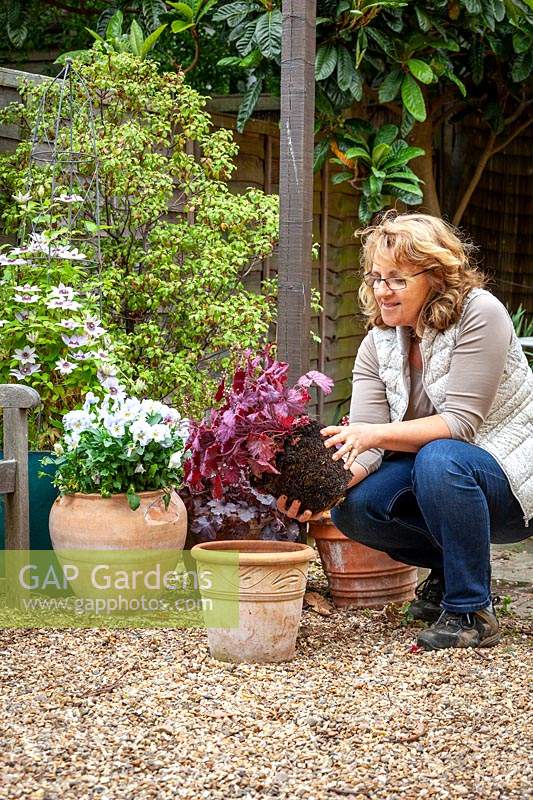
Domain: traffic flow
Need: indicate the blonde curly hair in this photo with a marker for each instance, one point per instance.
(422, 241)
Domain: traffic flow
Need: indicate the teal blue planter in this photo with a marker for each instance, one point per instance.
(42, 495)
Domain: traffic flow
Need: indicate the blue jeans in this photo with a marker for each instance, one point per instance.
(439, 508)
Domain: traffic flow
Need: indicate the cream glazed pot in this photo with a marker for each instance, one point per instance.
(267, 580)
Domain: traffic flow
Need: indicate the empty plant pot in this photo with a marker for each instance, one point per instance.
(267, 579)
(358, 576)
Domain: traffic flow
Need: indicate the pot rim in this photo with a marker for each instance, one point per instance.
(96, 496)
(253, 552)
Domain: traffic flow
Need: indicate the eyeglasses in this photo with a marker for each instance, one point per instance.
(394, 284)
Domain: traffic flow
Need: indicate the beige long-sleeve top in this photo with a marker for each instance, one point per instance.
(476, 371)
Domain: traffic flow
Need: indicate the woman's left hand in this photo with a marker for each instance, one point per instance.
(354, 438)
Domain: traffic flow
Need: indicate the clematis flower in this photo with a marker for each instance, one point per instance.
(92, 327)
(64, 367)
(69, 324)
(22, 316)
(62, 291)
(22, 198)
(3, 322)
(74, 341)
(25, 355)
(28, 289)
(63, 304)
(39, 243)
(24, 371)
(26, 297)
(69, 198)
(113, 388)
(68, 253)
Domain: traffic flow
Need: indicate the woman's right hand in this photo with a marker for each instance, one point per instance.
(293, 511)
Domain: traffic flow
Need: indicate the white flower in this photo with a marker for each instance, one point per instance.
(24, 371)
(77, 421)
(63, 304)
(79, 355)
(92, 327)
(22, 316)
(62, 291)
(115, 426)
(28, 288)
(90, 400)
(114, 389)
(139, 469)
(64, 367)
(174, 461)
(74, 341)
(161, 435)
(39, 243)
(72, 440)
(68, 253)
(5, 261)
(59, 449)
(153, 407)
(141, 432)
(4, 322)
(131, 409)
(22, 198)
(32, 337)
(26, 297)
(26, 355)
(69, 324)
(69, 198)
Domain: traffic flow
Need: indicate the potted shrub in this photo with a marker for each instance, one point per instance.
(116, 468)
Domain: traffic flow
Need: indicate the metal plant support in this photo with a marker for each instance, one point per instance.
(73, 200)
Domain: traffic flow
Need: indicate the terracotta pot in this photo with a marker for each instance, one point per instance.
(358, 576)
(84, 525)
(268, 582)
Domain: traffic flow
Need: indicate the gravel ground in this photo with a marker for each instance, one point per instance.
(142, 714)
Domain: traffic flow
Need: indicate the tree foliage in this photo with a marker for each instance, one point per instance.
(173, 295)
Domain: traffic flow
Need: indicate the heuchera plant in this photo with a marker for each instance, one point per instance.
(240, 440)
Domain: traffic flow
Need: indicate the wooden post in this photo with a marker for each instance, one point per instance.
(296, 183)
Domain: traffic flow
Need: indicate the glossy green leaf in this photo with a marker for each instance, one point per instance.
(184, 9)
(358, 152)
(386, 134)
(421, 70)
(320, 153)
(340, 177)
(114, 27)
(268, 34)
(380, 152)
(412, 188)
(413, 99)
(325, 61)
(390, 86)
(248, 104)
(150, 40)
(136, 38)
(180, 25)
(522, 66)
(345, 69)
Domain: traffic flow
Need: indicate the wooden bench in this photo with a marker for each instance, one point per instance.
(16, 400)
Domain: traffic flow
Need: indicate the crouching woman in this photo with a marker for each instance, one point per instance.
(440, 440)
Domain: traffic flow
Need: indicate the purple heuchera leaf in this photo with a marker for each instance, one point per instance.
(242, 436)
(318, 378)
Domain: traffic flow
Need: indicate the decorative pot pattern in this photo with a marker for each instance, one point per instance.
(269, 585)
(358, 576)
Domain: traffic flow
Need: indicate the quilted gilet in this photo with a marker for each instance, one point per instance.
(506, 433)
